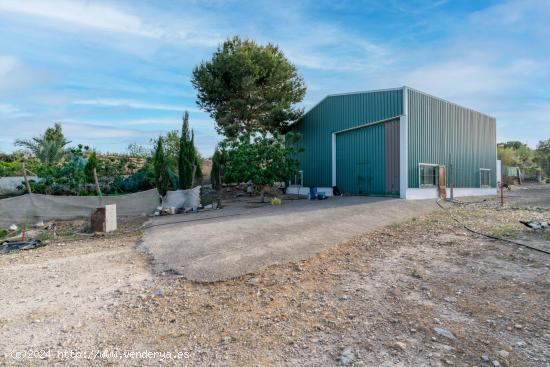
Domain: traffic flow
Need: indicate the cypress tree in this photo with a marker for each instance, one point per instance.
(162, 176)
(216, 173)
(185, 158)
(197, 161)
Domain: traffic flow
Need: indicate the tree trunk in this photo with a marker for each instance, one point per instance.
(262, 194)
(26, 179)
(96, 182)
(193, 176)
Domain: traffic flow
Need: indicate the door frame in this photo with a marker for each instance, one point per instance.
(402, 166)
(362, 126)
(442, 187)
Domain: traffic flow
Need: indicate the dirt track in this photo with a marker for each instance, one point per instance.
(212, 249)
(374, 300)
(62, 296)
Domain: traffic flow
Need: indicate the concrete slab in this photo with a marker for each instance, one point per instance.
(244, 237)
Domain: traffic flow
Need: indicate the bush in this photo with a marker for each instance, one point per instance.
(263, 161)
(11, 165)
(11, 169)
(143, 179)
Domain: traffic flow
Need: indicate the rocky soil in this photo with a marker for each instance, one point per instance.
(422, 293)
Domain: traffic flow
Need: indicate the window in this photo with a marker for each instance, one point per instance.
(428, 175)
(298, 179)
(484, 177)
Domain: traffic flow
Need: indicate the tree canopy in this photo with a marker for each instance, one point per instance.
(49, 148)
(532, 162)
(248, 87)
(542, 156)
(263, 161)
(216, 176)
(515, 153)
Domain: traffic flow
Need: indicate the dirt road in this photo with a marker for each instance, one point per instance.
(425, 292)
(61, 297)
(242, 242)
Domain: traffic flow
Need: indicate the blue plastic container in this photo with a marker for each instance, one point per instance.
(312, 193)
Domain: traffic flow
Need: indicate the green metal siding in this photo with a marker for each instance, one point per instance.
(437, 128)
(337, 113)
(391, 156)
(360, 161)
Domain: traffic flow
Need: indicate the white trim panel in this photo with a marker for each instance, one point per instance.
(431, 192)
(404, 147)
(403, 157)
(302, 190)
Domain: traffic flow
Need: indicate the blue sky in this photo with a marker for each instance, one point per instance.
(118, 72)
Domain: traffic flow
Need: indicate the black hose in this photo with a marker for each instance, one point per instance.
(490, 236)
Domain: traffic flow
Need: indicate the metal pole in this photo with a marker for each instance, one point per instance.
(501, 194)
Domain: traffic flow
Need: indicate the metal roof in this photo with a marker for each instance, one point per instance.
(390, 89)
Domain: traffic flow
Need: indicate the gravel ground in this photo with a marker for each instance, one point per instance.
(425, 292)
(224, 244)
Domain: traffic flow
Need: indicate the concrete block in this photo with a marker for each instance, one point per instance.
(104, 219)
(110, 218)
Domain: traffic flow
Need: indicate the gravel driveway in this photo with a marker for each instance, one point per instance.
(240, 239)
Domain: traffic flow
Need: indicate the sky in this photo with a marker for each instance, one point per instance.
(118, 72)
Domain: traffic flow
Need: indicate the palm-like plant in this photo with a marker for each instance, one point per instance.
(48, 148)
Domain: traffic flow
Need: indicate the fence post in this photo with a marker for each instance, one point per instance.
(26, 179)
(96, 181)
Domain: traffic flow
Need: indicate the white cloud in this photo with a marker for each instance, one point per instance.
(150, 122)
(514, 14)
(471, 77)
(189, 30)
(7, 64)
(493, 60)
(81, 13)
(112, 102)
(9, 111)
(82, 132)
(319, 45)
(309, 42)
(193, 122)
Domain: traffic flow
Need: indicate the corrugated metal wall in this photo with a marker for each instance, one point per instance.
(437, 128)
(391, 156)
(367, 160)
(360, 161)
(337, 113)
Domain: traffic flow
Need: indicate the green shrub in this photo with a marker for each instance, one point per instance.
(143, 179)
(10, 169)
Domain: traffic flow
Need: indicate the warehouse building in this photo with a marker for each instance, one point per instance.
(396, 142)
